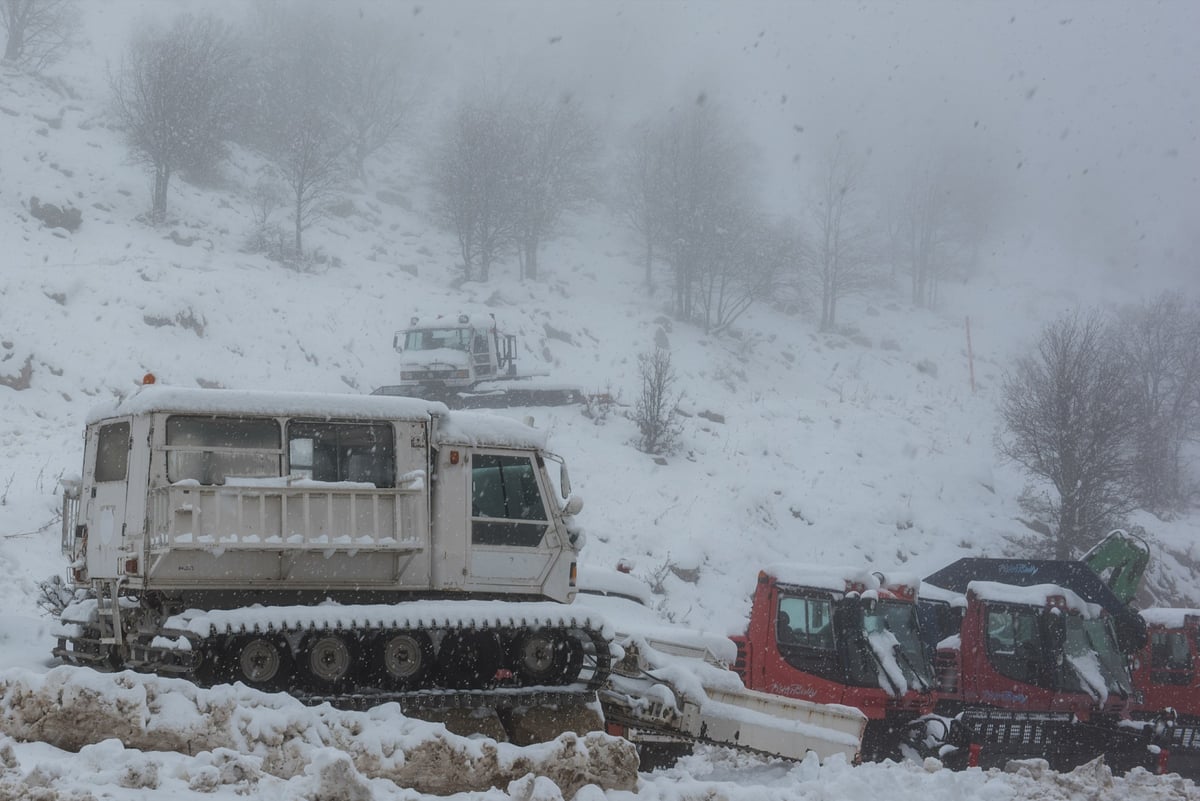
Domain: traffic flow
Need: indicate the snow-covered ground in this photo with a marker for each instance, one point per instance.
(867, 447)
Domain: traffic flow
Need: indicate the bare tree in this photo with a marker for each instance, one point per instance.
(841, 253)
(376, 99)
(38, 31)
(474, 173)
(743, 266)
(554, 173)
(655, 411)
(298, 89)
(641, 181)
(704, 173)
(1159, 341)
(936, 221)
(928, 235)
(174, 95)
(1066, 409)
(312, 166)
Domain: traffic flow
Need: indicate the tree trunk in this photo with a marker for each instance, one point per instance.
(162, 179)
(531, 264)
(649, 266)
(16, 34)
(299, 219)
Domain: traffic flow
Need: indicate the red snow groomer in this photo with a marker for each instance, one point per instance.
(1033, 664)
(842, 636)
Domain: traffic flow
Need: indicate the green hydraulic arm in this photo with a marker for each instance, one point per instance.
(1120, 559)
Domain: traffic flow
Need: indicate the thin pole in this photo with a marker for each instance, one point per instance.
(970, 355)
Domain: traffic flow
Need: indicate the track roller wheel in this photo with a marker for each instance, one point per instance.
(260, 661)
(328, 659)
(468, 660)
(402, 659)
(548, 657)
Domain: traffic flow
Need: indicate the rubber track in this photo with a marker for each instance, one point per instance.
(197, 627)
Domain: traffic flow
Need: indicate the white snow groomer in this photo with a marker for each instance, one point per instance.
(349, 548)
(467, 361)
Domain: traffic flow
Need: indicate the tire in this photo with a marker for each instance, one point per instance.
(260, 661)
(401, 659)
(547, 657)
(328, 660)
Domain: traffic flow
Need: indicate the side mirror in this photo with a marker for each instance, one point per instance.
(574, 506)
(564, 481)
(1056, 628)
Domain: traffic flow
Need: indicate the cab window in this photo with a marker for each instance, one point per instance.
(431, 338)
(806, 622)
(1014, 643)
(506, 501)
(1170, 658)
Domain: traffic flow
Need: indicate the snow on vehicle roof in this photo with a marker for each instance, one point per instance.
(477, 429)
(159, 398)
(1033, 595)
(932, 592)
(1168, 618)
(836, 577)
(455, 428)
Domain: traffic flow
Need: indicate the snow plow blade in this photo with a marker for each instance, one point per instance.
(650, 702)
(744, 719)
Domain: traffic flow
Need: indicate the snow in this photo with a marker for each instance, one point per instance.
(475, 428)
(1169, 618)
(159, 398)
(891, 676)
(1036, 595)
(837, 448)
(481, 614)
(840, 578)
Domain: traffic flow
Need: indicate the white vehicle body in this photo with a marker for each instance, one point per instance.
(212, 489)
(440, 355)
(467, 361)
(329, 545)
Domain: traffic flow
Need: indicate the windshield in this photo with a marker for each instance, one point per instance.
(431, 338)
(1096, 666)
(895, 638)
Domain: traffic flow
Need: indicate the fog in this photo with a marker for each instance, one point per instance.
(1081, 118)
(1077, 121)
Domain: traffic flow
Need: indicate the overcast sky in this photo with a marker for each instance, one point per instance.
(1088, 110)
(1082, 116)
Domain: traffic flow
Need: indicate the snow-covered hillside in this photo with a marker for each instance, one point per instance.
(870, 446)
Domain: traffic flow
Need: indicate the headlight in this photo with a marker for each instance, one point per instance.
(462, 373)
